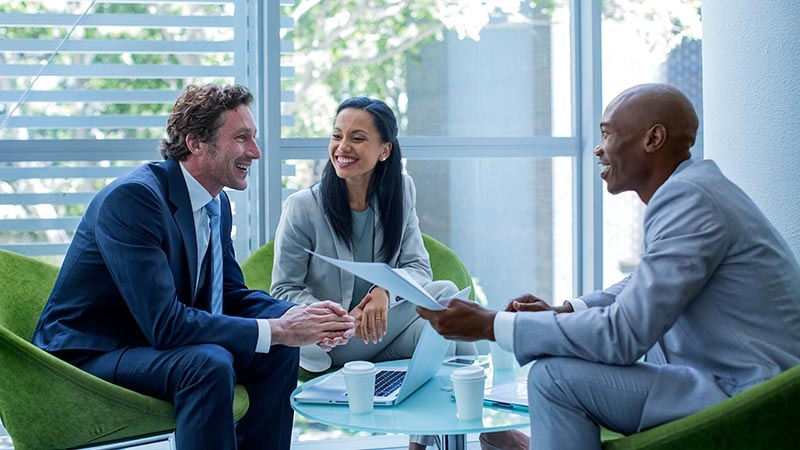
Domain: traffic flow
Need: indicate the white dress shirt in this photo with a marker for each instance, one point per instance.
(504, 325)
(199, 197)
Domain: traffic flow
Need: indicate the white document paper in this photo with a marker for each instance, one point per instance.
(395, 280)
(512, 395)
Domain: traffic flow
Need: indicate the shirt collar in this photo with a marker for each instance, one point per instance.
(198, 195)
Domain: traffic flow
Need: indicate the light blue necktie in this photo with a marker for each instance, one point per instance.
(215, 247)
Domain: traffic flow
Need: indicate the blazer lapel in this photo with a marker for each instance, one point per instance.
(184, 217)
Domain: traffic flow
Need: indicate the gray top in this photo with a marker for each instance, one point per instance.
(363, 243)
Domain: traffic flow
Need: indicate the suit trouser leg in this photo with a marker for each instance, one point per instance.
(199, 380)
(570, 398)
(270, 379)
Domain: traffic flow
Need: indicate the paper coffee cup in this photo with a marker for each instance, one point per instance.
(468, 386)
(359, 379)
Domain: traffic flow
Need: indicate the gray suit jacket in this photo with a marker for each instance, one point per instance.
(299, 277)
(717, 288)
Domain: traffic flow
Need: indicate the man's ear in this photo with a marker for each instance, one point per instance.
(655, 138)
(193, 143)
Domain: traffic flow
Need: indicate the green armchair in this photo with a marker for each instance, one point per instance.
(764, 417)
(46, 403)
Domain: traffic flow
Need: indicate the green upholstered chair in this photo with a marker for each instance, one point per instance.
(445, 265)
(764, 417)
(46, 403)
(257, 268)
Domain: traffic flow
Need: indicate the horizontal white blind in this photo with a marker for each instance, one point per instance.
(85, 91)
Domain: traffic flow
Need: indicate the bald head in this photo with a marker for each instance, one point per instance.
(646, 132)
(643, 106)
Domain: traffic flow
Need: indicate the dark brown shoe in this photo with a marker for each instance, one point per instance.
(504, 440)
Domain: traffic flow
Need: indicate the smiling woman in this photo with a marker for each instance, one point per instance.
(356, 147)
(363, 210)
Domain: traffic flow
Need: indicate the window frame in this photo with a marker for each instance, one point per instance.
(258, 59)
(586, 109)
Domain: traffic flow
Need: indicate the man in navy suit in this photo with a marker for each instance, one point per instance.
(714, 301)
(132, 303)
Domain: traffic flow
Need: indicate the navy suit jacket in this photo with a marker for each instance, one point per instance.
(129, 276)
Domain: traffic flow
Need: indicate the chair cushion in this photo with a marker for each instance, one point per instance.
(761, 417)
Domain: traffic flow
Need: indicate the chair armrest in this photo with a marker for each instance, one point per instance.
(48, 403)
(761, 417)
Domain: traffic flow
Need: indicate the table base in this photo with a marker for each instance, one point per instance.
(451, 442)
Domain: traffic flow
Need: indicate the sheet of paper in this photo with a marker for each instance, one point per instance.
(397, 281)
(512, 394)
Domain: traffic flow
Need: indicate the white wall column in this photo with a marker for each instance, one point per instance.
(751, 102)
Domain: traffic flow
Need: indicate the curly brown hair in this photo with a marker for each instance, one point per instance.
(198, 111)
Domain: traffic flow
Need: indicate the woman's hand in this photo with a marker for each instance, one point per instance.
(371, 315)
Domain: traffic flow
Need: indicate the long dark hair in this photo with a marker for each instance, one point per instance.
(386, 183)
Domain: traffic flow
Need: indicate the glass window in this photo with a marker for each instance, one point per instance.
(509, 219)
(645, 42)
(458, 68)
(483, 94)
(85, 91)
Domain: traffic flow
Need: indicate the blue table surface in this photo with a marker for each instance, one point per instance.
(429, 410)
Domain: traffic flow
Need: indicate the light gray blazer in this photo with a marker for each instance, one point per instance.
(717, 288)
(299, 277)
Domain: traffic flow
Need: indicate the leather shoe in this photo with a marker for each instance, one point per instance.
(504, 440)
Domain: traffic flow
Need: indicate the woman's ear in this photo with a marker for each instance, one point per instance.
(386, 151)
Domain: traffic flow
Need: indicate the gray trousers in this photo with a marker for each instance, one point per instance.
(571, 398)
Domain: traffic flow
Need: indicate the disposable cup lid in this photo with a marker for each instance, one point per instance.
(359, 368)
(468, 373)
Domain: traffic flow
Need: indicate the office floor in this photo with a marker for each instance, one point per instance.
(374, 443)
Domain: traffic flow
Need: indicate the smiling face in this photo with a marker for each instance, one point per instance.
(226, 160)
(622, 156)
(646, 132)
(356, 146)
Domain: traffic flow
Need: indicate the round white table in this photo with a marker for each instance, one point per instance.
(429, 411)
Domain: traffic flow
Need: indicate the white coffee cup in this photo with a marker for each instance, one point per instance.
(468, 386)
(501, 359)
(359, 379)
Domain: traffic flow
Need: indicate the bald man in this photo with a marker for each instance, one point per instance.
(714, 302)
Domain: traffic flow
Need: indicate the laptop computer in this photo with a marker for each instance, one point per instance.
(392, 384)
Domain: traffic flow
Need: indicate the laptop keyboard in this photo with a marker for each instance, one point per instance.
(387, 381)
